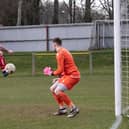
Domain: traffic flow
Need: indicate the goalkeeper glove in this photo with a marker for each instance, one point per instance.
(47, 71)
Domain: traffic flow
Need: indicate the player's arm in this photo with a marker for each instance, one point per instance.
(5, 50)
(60, 65)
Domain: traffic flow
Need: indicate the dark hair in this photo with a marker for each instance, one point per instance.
(57, 41)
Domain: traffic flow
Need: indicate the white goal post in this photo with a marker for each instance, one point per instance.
(121, 55)
(117, 57)
(117, 66)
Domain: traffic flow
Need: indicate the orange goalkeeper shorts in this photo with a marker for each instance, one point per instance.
(68, 81)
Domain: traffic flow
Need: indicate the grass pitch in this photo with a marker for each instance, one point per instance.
(26, 103)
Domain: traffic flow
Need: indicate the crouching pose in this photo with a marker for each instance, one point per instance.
(70, 76)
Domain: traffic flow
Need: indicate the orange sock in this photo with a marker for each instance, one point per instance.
(58, 100)
(66, 99)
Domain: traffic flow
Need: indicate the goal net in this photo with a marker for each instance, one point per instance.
(102, 35)
(124, 28)
(121, 60)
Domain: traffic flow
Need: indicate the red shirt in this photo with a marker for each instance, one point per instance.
(2, 62)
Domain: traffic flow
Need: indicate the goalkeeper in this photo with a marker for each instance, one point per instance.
(3, 61)
(70, 76)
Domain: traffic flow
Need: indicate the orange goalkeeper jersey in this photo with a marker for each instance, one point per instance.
(66, 64)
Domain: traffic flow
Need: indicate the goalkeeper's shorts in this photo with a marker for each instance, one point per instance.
(68, 81)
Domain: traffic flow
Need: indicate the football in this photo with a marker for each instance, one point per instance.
(10, 67)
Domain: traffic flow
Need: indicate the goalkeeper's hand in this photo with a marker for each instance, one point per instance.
(5, 73)
(48, 71)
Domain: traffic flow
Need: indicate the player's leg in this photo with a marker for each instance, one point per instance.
(67, 100)
(59, 91)
(62, 109)
(57, 99)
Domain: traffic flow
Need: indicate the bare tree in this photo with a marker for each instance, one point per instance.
(35, 13)
(46, 12)
(30, 14)
(107, 6)
(88, 8)
(19, 13)
(70, 11)
(8, 12)
(74, 11)
(56, 12)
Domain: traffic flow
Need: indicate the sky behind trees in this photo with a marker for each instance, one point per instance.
(32, 12)
(78, 2)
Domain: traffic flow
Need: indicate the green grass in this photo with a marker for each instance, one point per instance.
(26, 103)
(125, 123)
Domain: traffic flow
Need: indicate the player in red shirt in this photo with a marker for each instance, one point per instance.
(70, 75)
(3, 61)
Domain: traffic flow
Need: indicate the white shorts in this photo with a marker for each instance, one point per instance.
(58, 87)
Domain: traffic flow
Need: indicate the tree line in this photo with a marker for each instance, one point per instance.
(35, 12)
